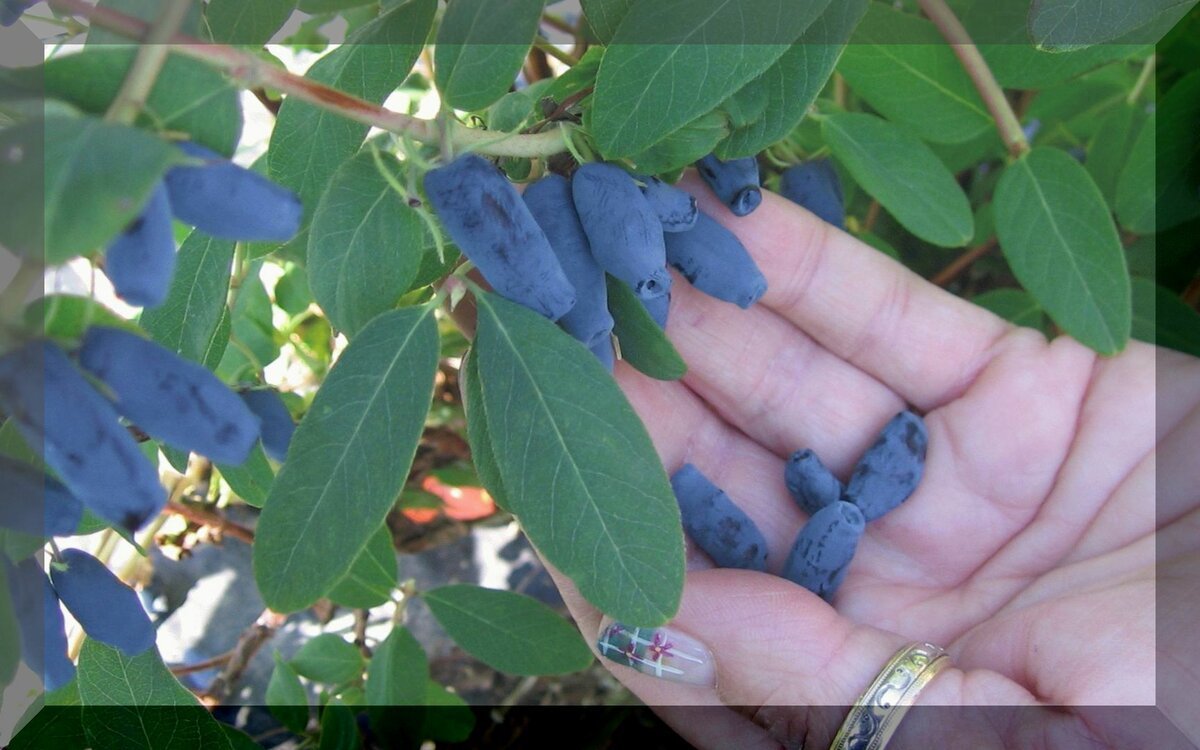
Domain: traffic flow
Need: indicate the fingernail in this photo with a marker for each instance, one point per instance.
(659, 652)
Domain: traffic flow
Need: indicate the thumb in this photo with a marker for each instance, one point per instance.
(791, 664)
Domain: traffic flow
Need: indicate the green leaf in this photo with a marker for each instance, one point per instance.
(241, 22)
(1059, 239)
(253, 479)
(577, 78)
(793, 82)
(1000, 31)
(348, 460)
(239, 740)
(448, 718)
(188, 96)
(578, 467)
(904, 175)
(481, 45)
(1161, 317)
(146, 10)
(513, 109)
(1109, 149)
(329, 659)
(286, 698)
(643, 343)
(483, 455)
(69, 185)
(65, 317)
(135, 702)
(1158, 187)
(315, 7)
(605, 16)
(189, 320)
(1014, 305)
(399, 671)
(686, 145)
(507, 631)
(372, 576)
(309, 143)
(675, 60)
(339, 730)
(1063, 25)
(252, 343)
(365, 244)
(53, 721)
(901, 66)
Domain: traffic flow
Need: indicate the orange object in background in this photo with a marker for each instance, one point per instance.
(459, 503)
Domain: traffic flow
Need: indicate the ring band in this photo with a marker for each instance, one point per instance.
(877, 713)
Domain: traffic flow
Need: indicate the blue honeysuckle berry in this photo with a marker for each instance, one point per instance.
(815, 185)
(714, 261)
(735, 182)
(105, 608)
(141, 260)
(716, 524)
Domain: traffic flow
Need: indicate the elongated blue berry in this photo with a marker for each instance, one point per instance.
(623, 229)
(824, 548)
(714, 260)
(277, 423)
(79, 435)
(812, 485)
(35, 503)
(106, 608)
(549, 200)
(231, 202)
(658, 308)
(486, 218)
(735, 182)
(715, 524)
(43, 630)
(815, 185)
(177, 401)
(603, 350)
(676, 209)
(140, 262)
(11, 10)
(889, 472)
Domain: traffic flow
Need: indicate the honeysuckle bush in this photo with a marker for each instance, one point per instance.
(1045, 166)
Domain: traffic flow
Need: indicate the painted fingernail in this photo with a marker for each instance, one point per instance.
(659, 652)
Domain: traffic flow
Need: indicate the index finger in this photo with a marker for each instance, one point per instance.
(923, 342)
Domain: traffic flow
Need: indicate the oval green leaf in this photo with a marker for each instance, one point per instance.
(903, 68)
(328, 659)
(479, 437)
(135, 702)
(507, 631)
(1064, 25)
(643, 343)
(240, 22)
(372, 576)
(252, 480)
(348, 460)
(1017, 306)
(190, 318)
(577, 465)
(366, 242)
(399, 671)
(286, 699)
(605, 16)
(1061, 244)
(481, 46)
(675, 60)
(904, 175)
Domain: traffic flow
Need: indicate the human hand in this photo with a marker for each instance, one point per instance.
(1028, 552)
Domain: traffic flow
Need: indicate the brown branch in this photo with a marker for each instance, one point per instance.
(872, 217)
(205, 517)
(181, 669)
(561, 109)
(248, 644)
(962, 263)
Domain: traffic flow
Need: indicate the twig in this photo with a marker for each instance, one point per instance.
(981, 75)
(561, 109)
(566, 58)
(248, 644)
(558, 24)
(962, 263)
(151, 56)
(1143, 78)
(181, 669)
(208, 518)
(360, 631)
(872, 217)
(253, 72)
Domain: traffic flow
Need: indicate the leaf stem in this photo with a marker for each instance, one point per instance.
(566, 58)
(151, 56)
(253, 72)
(981, 75)
(1143, 78)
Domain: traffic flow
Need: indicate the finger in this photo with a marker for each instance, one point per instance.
(776, 384)
(922, 342)
(684, 430)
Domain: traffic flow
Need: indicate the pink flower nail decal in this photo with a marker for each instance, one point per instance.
(659, 652)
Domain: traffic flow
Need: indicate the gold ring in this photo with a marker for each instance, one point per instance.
(877, 713)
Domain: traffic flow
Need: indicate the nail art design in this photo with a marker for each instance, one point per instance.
(659, 652)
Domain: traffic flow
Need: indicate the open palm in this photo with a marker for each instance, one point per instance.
(1028, 551)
